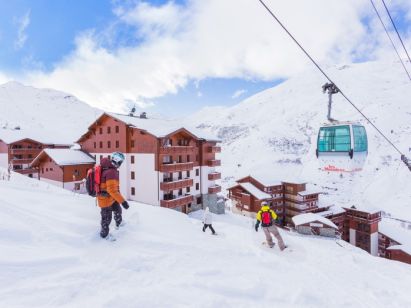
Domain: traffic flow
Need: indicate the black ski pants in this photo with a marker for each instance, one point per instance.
(208, 226)
(106, 216)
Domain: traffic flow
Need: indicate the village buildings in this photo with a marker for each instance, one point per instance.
(166, 164)
(17, 151)
(65, 168)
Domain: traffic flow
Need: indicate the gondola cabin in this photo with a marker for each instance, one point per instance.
(342, 147)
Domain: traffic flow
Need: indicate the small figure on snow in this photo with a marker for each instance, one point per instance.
(266, 216)
(207, 220)
(110, 198)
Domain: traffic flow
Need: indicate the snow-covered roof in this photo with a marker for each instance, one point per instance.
(308, 192)
(259, 194)
(364, 208)
(65, 157)
(393, 229)
(334, 210)
(310, 217)
(160, 127)
(405, 248)
(266, 180)
(9, 136)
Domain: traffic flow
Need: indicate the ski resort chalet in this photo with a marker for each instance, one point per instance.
(166, 164)
(63, 167)
(17, 150)
(394, 239)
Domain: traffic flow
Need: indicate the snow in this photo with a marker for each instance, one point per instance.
(334, 210)
(266, 181)
(260, 195)
(311, 217)
(66, 157)
(308, 192)
(9, 136)
(52, 257)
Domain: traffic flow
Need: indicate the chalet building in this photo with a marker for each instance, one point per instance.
(17, 151)
(394, 241)
(314, 224)
(65, 168)
(362, 228)
(286, 199)
(167, 166)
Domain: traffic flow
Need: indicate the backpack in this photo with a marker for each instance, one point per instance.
(93, 181)
(266, 218)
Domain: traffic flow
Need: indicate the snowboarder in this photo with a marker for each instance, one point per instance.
(266, 216)
(110, 198)
(207, 221)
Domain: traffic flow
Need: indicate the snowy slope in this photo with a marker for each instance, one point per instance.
(51, 256)
(273, 133)
(43, 113)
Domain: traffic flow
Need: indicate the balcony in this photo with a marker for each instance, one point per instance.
(26, 171)
(214, 189)
(21, 161)
(179, 201)
(214, 176)
(177, 150)
(214, 163)
(25, 151)
(214, 149)
(176, 167)
(175, 185)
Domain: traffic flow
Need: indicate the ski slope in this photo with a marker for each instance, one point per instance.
(52, 256)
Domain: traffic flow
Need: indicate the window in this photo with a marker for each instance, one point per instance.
(51, 169)
(117, 144)
(101, 157)
(334, 139)
(180, 159)
(76, 172)
(132, 159)
(108, 144)
(180, 192)
(47, 169)
(188, 174)
(108, 130)
(198, 200)
(76, 186)
(188, 189)
(95, 144)
(360, 138)
(101, 144)
(42, 170)
(197, 172)
(132, 175)
(133, 191)
(188, 158)
(180, 175)
(197, 186)
(132, 143)
(101, 130)
(117, 129)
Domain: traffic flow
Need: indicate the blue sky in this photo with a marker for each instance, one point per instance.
(184, 55)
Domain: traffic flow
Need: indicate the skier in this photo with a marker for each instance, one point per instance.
(110, 198)
(207, 221)
(266, 216)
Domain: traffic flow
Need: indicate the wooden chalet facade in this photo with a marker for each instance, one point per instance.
(169, 167)
(63, 167)
(394, 241)
(17, 154)
(314, 224)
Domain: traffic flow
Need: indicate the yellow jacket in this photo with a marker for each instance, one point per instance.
(266, 208)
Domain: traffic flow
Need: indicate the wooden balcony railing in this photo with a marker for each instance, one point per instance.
(214, 163)
(214, 149)
(25, 151)
(214, 176)
(179, 201)
(21, 161)
(176, 167)
(214, 189)
(26, 171)
(177, 150)
(174, 185)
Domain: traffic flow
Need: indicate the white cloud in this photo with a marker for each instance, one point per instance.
(22, 24)
(208, 39)
(238, 93)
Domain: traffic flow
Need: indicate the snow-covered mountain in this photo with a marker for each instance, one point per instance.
(273, 133)
(52, 256)
(43, 113)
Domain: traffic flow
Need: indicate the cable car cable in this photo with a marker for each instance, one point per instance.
(329, 79)
(396, 30)
(392, 43)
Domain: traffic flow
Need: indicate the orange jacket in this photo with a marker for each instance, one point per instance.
(110, 184)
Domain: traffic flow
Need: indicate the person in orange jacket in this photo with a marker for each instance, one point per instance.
(110, 198)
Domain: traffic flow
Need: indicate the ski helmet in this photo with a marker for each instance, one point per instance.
(117, 159)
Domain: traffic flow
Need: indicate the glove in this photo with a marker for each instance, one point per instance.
(256, 226)
(125, 205)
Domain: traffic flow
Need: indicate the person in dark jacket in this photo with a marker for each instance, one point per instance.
(110, 198)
